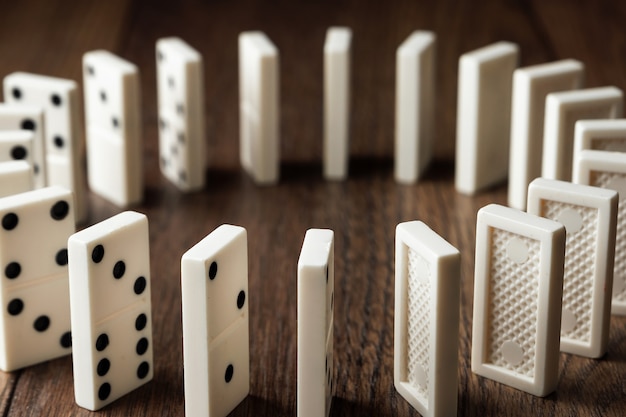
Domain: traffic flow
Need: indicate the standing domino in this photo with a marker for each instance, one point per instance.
(589, 215)
(35, 324)
(601, 135)
(562, 111)
(483, 116)
(64, 143)
(518, 284)
(415, 105)
(114, 143)
(531, 85)
(337, 102)
(215, 322)
(259, 135)
(428, 272)
(180, 82)
(15, 177)
(608, 170)
(111, 313)
(316, 283)
(14, 117)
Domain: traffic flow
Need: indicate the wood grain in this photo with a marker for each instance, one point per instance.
(50, 37)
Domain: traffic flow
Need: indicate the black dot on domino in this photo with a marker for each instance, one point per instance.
(28, 124)
(103, 96)
(36, 168)
(12, 270)
(118, 269)
(58, 142)
(140, 322)
(142, 346)
(140, 285)
(241, 299)
(17, 93)
(18, 152)
(15, 306)
(102, 342)
(61, 257)
(42, 323)
(97, 253)
(143, 369)
(213, 270)
(162, 124)
(228, 375)
(59, 210)
(103, 367)
(104, 391)
(180, 109)
(116, 123)
(160, 56)
(10, 221)
(55, 99)
(89, 69)
(66, 340)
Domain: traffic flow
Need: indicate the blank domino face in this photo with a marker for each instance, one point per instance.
(483, 116)
(531, 85)
(517, 299)
(111, 310)
(563, 110)
(415, 105)
(64, 143)
(215, 322)
(180, 82)
(35, 319)
(259, 136)
(426, 319)
(113, 127)
(336, 102)
(600, 135)
(589, 215)
(16, 117)
(316, 297)
(15, 177)
(608, 170)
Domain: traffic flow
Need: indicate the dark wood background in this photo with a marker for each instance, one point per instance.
(50, 37)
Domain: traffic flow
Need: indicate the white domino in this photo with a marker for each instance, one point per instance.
(215, 323)
(316, 282)
(24, 117)
(114, 142)
(415, 106)
(562, 111)
(64, 142)
(15, 177)
(589, 215)
(426, 331)
(600, 135)
(35, 319)
(531, 85)
(259, 135)
(337, 49)
(518, 284)
(180, 82)
(608, 170)
(484, 116)
(16, 145)
(109, 269)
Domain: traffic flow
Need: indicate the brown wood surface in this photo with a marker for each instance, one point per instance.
(50, 37)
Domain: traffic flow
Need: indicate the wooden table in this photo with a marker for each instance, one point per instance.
(50, 37)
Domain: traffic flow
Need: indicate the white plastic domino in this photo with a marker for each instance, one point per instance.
(35, 319)
(316, 282)
(589, 215)
(64, 140)
(180, 82)
(215, 323)
(428, 279)
(562, 111)
(531, 85)
(518, 284)
(114, 142)
(337, 102)
(111, 315)
(259, 135)
(415, 106)
(484, 116)
(15, 177)
(15, 117)
(601, 135)
(608, 170)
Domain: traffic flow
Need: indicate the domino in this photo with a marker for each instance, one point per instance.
(484, 116)
(15, 177)
(215, 323)
(608, 170)
(337, 49)
(114, 142)
(531, 85)
(415, 106)
(589, 215)
(562, 111)
(259, 135)
(16, 145)
(518, 284)
(426, 324)
(109, 268)
(63, 139)
(600, 135)
(23, 117)
(316, 296)
(35, 319)
(180, 82)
